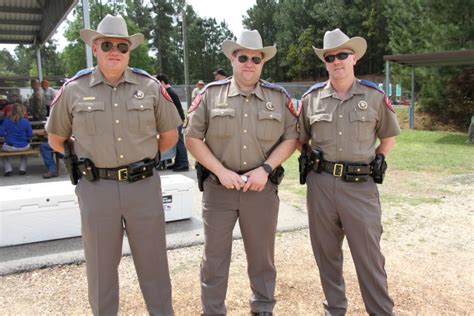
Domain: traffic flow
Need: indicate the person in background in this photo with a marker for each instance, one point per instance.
(49, 94)
(199, 85)
(470, 131)
(17, 132)
(36, 103)
(241, 130)
(47, 154)
(351, 126)
(219, 74)
(181, 162)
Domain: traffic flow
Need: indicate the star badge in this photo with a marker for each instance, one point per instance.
(139, 94)
(362, 105)
(269, 106)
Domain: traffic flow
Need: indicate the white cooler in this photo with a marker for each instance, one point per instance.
(47, 211)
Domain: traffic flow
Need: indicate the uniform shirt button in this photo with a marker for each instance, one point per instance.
(117, 121)
(363, 117)
(340, 149)
(121, 156)
(245, 147)
(115, 89)
(246, 100)
(271, 115)
(340, 115)
(141, 106)
(340, 133)
(245, 131)
(115, 104)
(119, 139)
(89, 108)
(245, 162)
(246, 115)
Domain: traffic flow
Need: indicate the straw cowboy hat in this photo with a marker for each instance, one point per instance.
(111, 26)
(336, 39)
(250, 40)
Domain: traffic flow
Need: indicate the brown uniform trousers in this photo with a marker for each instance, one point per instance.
(108, 208)
(257, 213)
(337, 208)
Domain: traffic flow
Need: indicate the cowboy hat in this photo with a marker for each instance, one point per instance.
(250, 40)
(336, 39)
(111, 26)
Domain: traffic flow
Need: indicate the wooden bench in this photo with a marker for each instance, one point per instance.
(29, 152)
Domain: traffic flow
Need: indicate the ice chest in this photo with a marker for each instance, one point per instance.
(47, 211)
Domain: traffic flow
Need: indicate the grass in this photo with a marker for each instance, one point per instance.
(415, 151)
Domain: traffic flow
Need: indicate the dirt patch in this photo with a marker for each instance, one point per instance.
(429, 250)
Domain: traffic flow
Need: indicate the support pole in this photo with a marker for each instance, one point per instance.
(186, 69)
(412, 105)
(87, 25)
(387, 77)
(39, 62)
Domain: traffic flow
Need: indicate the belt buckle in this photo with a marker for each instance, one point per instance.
(122, 174)
(338, 169)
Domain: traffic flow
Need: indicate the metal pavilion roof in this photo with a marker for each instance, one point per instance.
(446, 58)
(31, 21)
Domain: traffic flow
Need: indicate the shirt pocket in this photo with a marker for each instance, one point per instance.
(222, 122)
(362, 125)
(321, 126)
(88, 118)
(269, 127)
(140, 115)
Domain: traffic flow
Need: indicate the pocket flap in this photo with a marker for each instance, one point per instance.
(364, 116)
(327, 117)
(89, 106)
(267, 115)
(139, 105)
(222, 112)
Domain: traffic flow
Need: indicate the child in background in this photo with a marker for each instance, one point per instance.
(17, 132)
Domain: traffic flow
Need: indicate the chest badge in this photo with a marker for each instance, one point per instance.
(139, 94)
(269, 106)
(362, 105)
(88, 98)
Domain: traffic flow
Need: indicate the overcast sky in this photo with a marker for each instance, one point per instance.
(222, 10)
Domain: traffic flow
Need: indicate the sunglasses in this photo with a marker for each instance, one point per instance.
(340, 56)
(107, 46)
(244, 58)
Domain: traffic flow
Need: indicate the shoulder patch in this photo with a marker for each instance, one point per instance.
(314, 87)
(375, 86)
(195, 103)
(165, 93)
(79, 74)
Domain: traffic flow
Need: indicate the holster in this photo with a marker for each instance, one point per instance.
(140, 170)
(304, 163)
(202, 173)
(378, 166)
(71, 163)
(277, 175)
(88, 170)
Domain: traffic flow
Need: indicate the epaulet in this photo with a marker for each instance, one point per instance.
(79, 74)
(198, 97)
(375, 86)
(289, 103)
(314, 87)
(142, 72)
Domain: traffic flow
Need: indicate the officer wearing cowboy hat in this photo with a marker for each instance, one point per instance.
(343, 118)
(241, 129)
(115, 114)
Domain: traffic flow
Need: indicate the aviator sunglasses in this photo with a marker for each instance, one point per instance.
(244, 58)
(107, 46)
(340, 56)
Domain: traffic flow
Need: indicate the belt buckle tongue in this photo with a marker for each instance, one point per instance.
(338, 169)
(122, 174)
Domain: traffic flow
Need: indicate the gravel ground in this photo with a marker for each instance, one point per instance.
(428, 245)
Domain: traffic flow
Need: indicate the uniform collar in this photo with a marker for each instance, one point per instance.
(328, 90)
(97, 77)
(234, 90)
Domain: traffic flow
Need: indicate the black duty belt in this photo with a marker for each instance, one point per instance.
(349, 172)
(131, 173)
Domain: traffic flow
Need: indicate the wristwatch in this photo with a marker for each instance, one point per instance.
(268, 169)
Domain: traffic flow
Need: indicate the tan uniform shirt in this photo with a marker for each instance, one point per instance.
(241, 130)
(113, 126)
(346, 131)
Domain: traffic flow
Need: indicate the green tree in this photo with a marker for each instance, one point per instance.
(7, 63)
